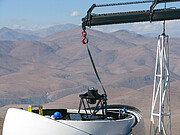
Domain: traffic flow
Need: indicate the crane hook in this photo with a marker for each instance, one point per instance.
(85, 39)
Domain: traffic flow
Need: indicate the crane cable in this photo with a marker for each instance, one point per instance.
(85, 41)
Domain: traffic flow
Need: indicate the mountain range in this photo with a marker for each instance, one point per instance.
(48, 31)
(55, 69)
(12, 35)
(28, 35)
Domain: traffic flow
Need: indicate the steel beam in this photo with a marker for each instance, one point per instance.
(164, 1)
(131, 17)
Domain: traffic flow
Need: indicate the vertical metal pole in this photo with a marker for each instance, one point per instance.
(169, 95)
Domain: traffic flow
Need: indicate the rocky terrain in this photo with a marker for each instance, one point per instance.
(55, 69)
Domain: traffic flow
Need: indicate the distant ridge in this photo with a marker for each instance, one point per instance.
(7, 34)
(12, 35)
(48, 31)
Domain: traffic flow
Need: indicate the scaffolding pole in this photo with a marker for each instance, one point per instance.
(161, 108)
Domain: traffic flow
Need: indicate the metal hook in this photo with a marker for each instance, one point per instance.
(85, 39)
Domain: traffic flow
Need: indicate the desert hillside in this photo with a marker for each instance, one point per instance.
(54, 70)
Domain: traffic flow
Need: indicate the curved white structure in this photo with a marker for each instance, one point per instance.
(21, 122)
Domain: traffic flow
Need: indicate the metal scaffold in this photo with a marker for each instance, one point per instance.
(161, 109)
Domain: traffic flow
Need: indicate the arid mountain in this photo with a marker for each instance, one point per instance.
(54, 70)
(11, 35)
(8, 63)
(58, 65)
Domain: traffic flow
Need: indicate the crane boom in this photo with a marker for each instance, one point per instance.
(130, 17)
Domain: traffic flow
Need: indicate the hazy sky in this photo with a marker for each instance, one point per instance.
(36, 14)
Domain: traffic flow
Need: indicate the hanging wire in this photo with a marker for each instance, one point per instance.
(70, 126)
